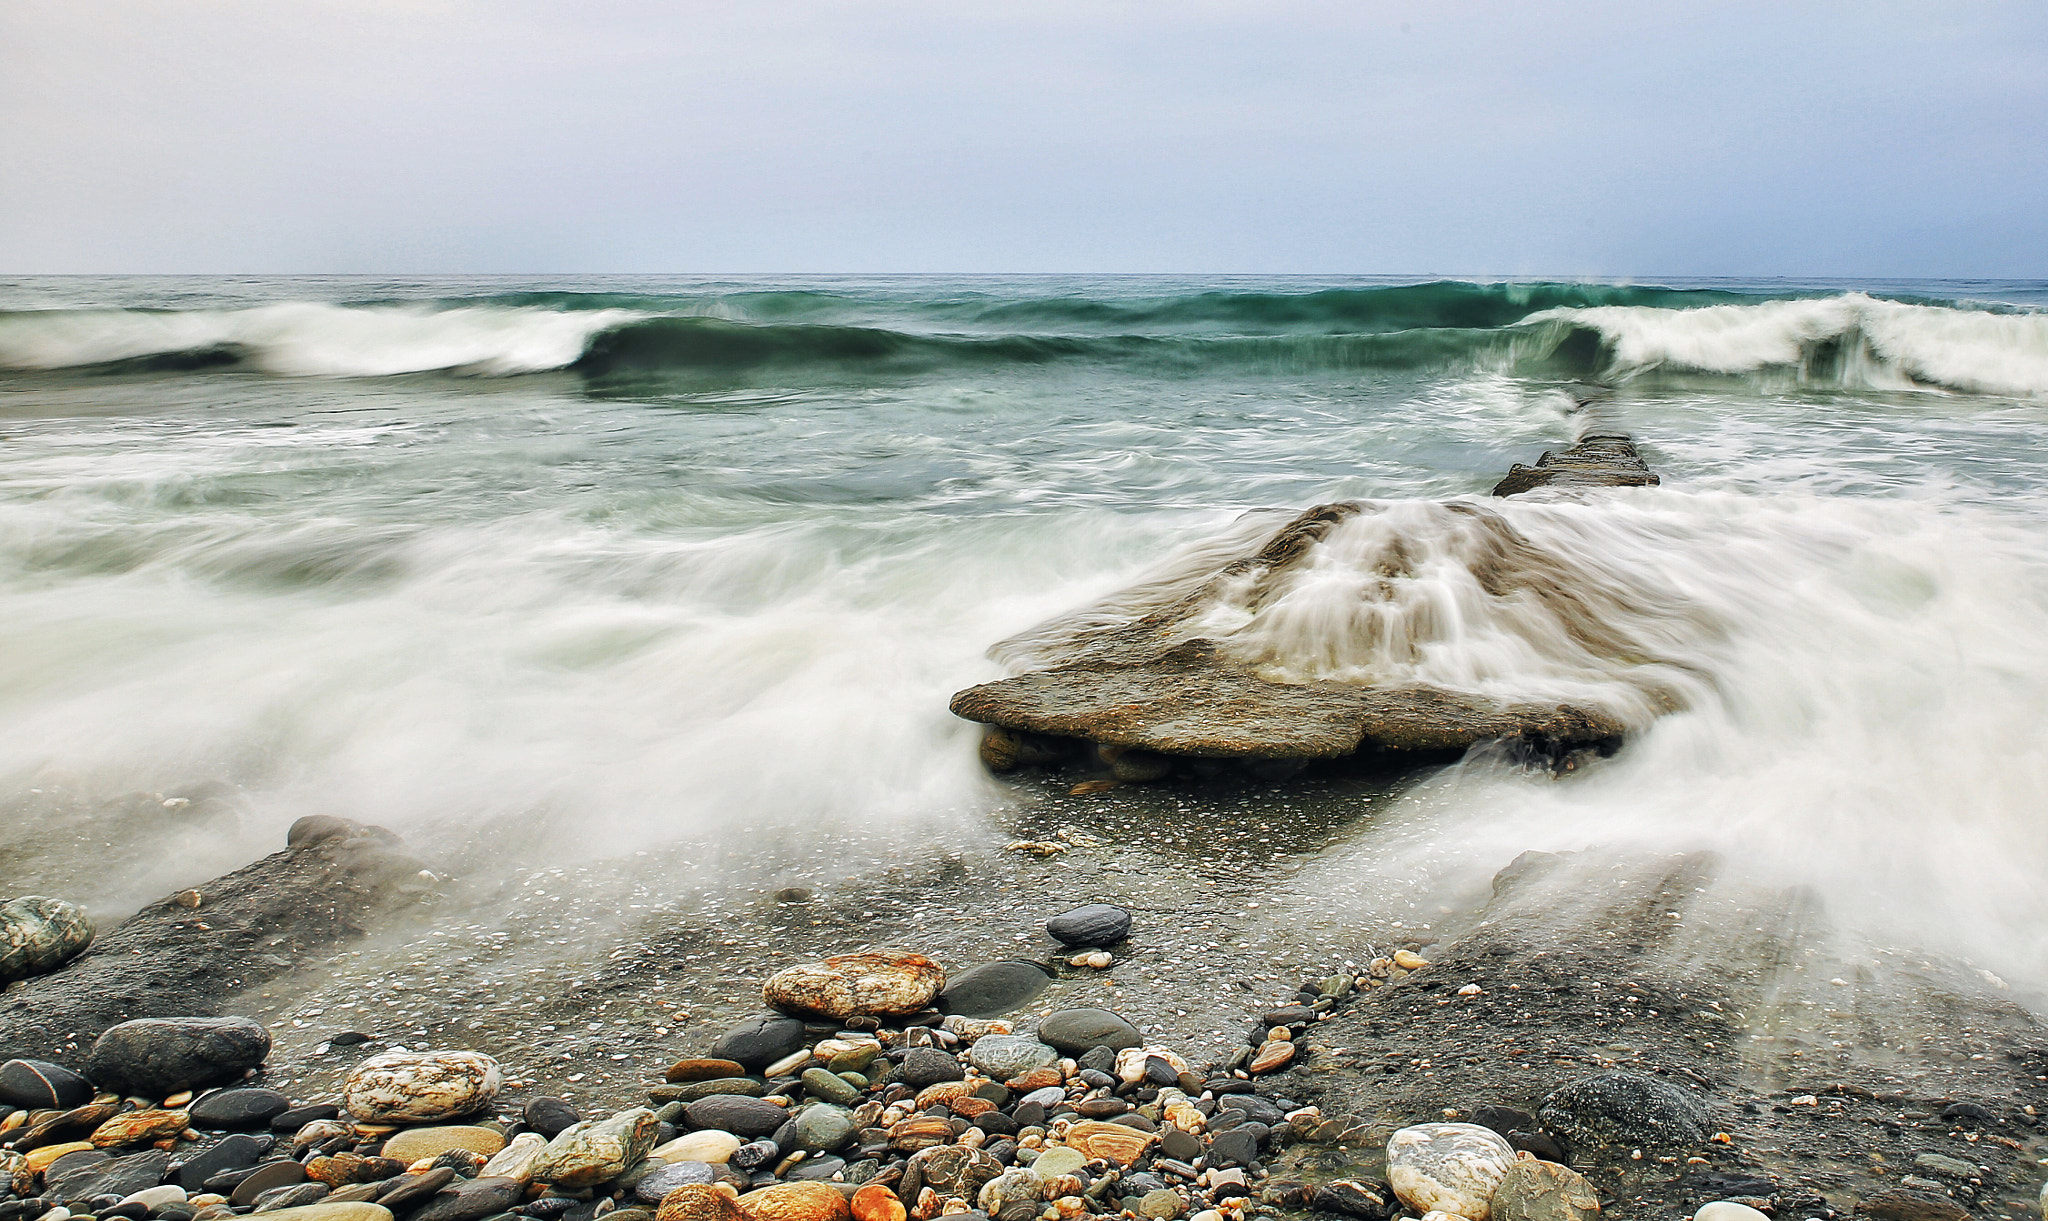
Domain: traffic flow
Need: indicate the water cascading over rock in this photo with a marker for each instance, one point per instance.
(1355, 630)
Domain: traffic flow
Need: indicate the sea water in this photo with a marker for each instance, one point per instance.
(575, 566)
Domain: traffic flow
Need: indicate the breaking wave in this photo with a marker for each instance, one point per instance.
(1586, 331)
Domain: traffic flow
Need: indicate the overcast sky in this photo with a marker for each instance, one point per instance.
(1616, 139)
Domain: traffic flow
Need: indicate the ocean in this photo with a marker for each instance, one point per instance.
(549, 571)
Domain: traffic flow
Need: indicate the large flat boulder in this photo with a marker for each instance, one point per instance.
(1313, 641)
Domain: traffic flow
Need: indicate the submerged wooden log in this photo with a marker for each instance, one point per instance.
(1187, 667)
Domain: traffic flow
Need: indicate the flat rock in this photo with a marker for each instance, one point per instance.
(699, 1203)
(238, 1108)
(702, 1068)
(880, 983)
(470, 1199)
(1600, 461)
(1911, 1204)
(992, 989)
(1135, 674)
(1075, 1031)
(227, 1153)
(420, 1087)
(37, 1085)
(157, 1057)
(928, 1066)
(38, 935)
(709, 1145)
(737, 1114)
(123, 1176)
(515, 1160)
(819, 1129)
(405, 1192)
(268, 1177)
(1544, 1191)
(1447, 1167)
(260, 922)
(548, 1115)
(1622, 1112)
(1728, 1210)
(413, 1144)
(654, 1187)
(329, 1211)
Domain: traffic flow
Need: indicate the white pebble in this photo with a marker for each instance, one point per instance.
(1727, 1210)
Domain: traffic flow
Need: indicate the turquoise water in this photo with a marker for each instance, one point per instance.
(591, 564)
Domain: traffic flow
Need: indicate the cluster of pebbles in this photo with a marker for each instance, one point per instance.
(874, 1090)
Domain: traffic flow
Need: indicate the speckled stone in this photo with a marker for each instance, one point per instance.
(420, 1087)
(1544, 1191)
(1624, 1112)
(594, 1152)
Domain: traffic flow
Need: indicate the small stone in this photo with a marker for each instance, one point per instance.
(299, 1117)
(1005, 1056)
(1013, 1195)
(875, 1202)
(920, 1132)
(709, 1145)
(1409, 961)
(228, 1153)
(1274, 1054)
(405, 1192)
(153, 1198)
(413, 1144)
(703, 1069)
(781, 1068)
(820, 1129)
(1075, 1031)
(759, 1042)
(157, 1057)
(268, 1177)
(36, 1085)
(596, 1151)
(1947, 1167)
(239, 1108)
(654, 1187)
(344, 1169)
(330, 1211)
(1058, 1160)
(795, 1202)
(38, 935)
(1092, 924)
(1728, 1210)
(700, 1203)
(830, 1087)
(549, 1116)
(1533, 1190)
(950, 1170)
(1454, 1167)
(992, 989)
(1098, 960)
(471, 1200)
(882, 983)
(925, 1066)
(134, 1127)
(515, 1160)
(737, 1114)
(1113, 1141)
(420, 1087)
(1237, 1147)
(1161, 1205)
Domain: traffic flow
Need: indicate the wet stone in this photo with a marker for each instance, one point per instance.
(739, 1115)
(993, 989)
(924, 1066)
(40, 1085)
(653, 1187)
(1006, 1056)
(1077, 1031)
(756, 1154)
(1544, 1191)
(124, 1176)
(549, 1116)
(1623, 1112)
(821, 1128)
(268, 1177)
(1237, 1147)
(158, 1057)
(238, 1108)
(471, 1199)
(759, 1042)
(702, 1069)
(830, 1087)
(1092, 924)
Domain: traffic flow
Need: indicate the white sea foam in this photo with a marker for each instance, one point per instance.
(1884, 345)
(311, 339)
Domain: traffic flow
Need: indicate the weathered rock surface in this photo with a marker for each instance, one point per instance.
(1535, 1190)
(882, 983)
(40, 1085)
(171, 960)
(1177, 669)
(420, 1087)
(38, 935)
(700, 1202)
(596, 1151)
(1598, 461)
(1625, 1111)
(155, 1057)
(794, 1202)
(992, 989)
(415, 1143)
(1448, 1167)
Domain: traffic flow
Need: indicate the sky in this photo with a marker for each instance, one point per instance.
(1457, 138)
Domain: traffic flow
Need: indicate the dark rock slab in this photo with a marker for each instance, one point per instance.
(124, 1176)
(1599, 461)
(255, 924)
(299, 1117)
(737, 1114)
(37, 1085)
(243, 1108)
(269, 1177)
(228, 1153)
(154, 1057)
(470, 1199)
(993, 989)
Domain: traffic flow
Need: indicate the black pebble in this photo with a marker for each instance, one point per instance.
(299, 1117)
(548, 1115)
(1090, 924)
(41, 1085)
